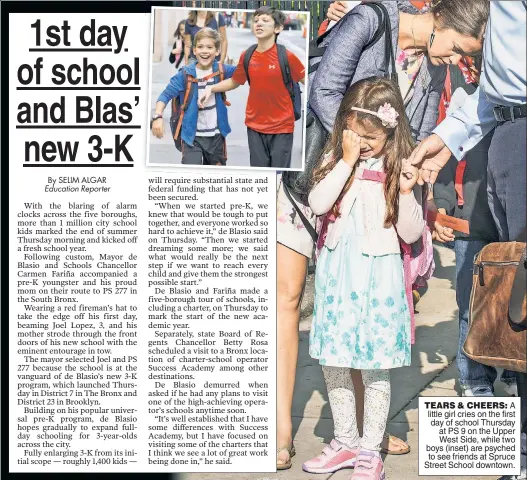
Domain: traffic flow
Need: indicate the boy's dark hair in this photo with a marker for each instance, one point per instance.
(278, 16)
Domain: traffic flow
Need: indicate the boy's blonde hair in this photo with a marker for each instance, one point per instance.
(207, 32)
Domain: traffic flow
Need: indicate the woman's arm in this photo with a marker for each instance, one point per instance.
(337, 67)
(326, 192)
(224, 43)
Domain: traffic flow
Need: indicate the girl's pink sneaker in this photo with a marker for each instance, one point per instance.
(333, 457)
(368, 466)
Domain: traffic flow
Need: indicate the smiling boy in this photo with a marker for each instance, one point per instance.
(204, 128)
(269, 115)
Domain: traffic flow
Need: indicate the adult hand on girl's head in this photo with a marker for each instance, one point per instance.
(350, 147)
(408, 177)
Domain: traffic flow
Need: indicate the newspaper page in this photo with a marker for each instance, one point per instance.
(190, 297)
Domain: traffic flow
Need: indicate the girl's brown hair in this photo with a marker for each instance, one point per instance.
(193, 17)
(371, 93)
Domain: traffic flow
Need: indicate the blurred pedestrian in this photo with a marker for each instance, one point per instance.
(197, 19)
(176, 54)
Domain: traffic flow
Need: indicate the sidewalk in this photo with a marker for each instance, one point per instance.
(433, 373)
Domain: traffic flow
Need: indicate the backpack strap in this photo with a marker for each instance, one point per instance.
(380, 29)
(184, 106)
(284, 67)
(222, 77)
(389, 55)
(246, 59)
(312, 232)
(221, 74)
(384, 25)
(206, 78)
(371, 175)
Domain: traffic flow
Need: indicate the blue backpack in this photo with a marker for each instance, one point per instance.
(292, 87)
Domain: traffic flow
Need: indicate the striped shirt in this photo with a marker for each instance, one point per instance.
(207, 116)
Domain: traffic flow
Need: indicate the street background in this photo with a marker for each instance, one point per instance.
(163, 151)
(433, 373)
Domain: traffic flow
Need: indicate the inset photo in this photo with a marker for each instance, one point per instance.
(227, 88)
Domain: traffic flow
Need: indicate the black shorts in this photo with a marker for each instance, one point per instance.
(205, 151)
(270, 150)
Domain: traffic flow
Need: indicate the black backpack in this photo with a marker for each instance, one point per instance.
(292, 87)
(298, 183)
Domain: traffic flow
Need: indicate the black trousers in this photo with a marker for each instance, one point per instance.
(507, 199)
(272, 150)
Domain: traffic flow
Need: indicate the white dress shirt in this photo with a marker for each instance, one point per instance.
(502, 82)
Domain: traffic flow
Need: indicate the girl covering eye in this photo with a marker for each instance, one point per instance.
(361, 318)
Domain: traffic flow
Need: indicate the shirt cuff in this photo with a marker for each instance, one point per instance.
(453, 132)
(163, 98)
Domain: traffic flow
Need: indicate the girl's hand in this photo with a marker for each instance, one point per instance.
(177, 50)
(408, 178)
(350, 147)
(440, 233)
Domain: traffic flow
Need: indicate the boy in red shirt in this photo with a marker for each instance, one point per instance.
(269, 115)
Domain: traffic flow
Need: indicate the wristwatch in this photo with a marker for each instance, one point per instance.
(155, 117)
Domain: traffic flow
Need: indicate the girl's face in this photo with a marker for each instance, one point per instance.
(182, 29)
(372, 139)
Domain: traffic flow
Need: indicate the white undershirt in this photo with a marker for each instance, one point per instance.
(207, 116)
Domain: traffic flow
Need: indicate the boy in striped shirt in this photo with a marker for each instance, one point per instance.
(203, 128)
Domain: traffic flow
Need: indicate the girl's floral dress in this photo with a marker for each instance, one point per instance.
(361, 317)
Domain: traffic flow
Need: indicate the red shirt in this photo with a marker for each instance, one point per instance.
(269, 107)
